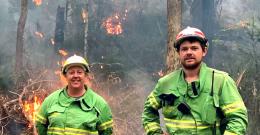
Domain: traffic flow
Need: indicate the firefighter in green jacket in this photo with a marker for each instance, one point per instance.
(196, 99)
(75, 109)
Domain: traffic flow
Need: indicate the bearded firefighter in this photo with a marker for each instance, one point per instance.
(196, 99)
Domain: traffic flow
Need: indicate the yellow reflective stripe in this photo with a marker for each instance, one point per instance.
(81, 130)
(181, 121)
(153, 101)
(229, 133)
(233, 107)
(185, 124)
(41, 119)
(151, 127)
(70, 131)
(106, 125)
(62, 133)
(55, 133)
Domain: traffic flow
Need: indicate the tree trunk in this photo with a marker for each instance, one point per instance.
(20, 36)
(174, 13)
(75, 26)
(85, 20)
(59, 29)
(209, 27)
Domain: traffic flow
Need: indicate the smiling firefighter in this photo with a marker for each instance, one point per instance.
(75, 109)
(196, 99)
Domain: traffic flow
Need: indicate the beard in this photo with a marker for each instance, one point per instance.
(193, 66)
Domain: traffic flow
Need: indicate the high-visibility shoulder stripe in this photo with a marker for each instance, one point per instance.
(106, 125)
(232, 104)
(153, 102)
(71, 131)
(152, 127)
(41, 119)
(229, 133)
(233, 107)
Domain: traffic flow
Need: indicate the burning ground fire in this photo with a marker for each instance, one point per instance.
(31, 106)
(113, 24)
(30, 109)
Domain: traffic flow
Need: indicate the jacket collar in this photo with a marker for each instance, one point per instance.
(182, 83)
(87, 101)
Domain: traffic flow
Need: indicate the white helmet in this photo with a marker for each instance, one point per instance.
(75, 61)
(190, 32)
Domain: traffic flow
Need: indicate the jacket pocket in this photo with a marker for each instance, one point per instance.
(91, 125)
(170, 111)
(210, 109)
(169, 105)
(91, 120)
(56, 116)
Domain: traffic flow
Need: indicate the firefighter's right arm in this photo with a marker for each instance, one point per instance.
(41, 120)
(150, 116)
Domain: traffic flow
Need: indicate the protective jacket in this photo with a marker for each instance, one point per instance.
(61, 114)
(210, 105)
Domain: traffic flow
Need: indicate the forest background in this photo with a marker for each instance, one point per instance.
(126, 44)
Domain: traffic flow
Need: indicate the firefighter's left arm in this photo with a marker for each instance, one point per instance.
(233, 108)
(105, 126)
(41, 119)
(150, 115)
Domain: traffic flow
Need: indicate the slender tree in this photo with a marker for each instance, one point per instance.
(174, 13)
(20, 35)
(85, 14)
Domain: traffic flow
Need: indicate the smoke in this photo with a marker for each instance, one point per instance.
(234, 11)
(7, 30)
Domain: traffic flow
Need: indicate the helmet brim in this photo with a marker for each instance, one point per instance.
(85, 68)
(203, 41)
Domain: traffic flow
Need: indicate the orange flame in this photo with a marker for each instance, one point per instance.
(52, 41)
(63, 52)
(39, 34)
(37, 2)
(62, 78)
(30, 109)
(160, 73)
(84, 15)
(113, 25)
(240, 24)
